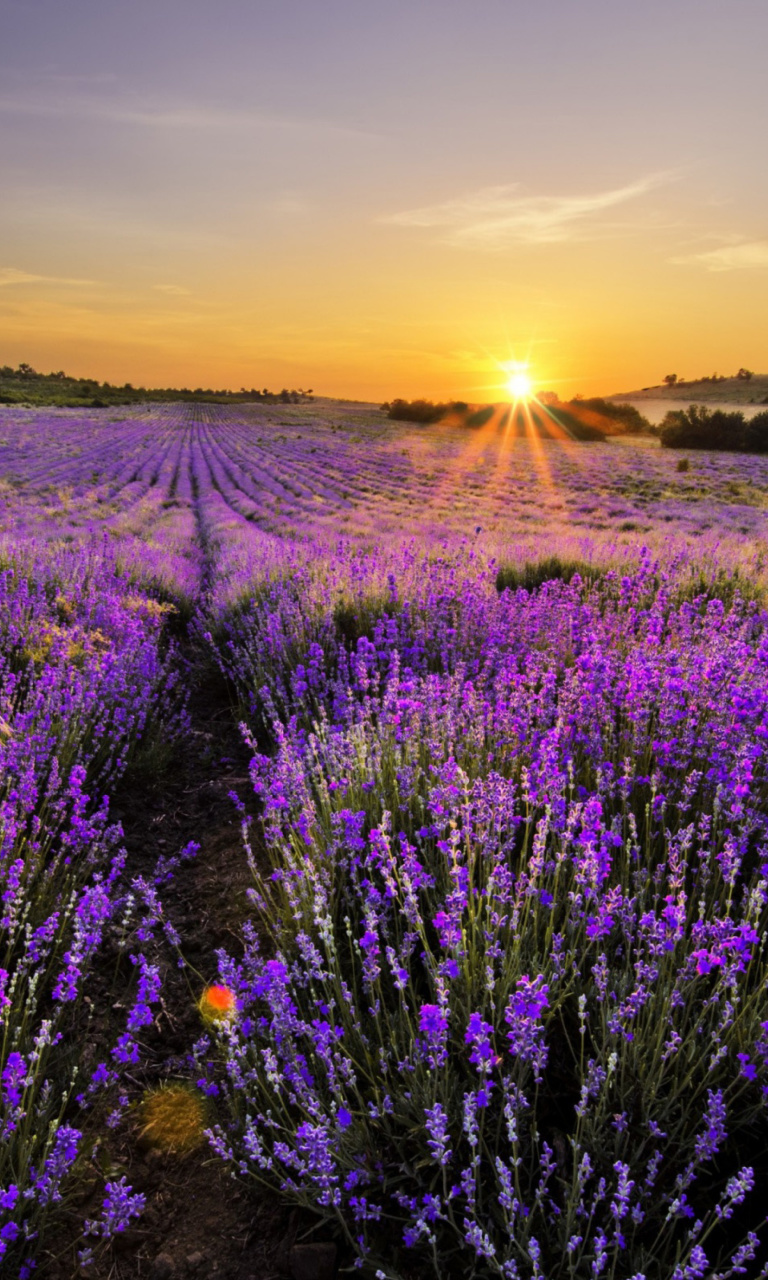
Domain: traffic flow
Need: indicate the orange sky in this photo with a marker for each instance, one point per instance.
(384, 200)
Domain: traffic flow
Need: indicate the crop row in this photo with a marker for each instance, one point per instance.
(83, 676)
(187, 485)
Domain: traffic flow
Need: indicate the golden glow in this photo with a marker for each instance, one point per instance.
(173, 1118)
(519, 383)
(308, 331)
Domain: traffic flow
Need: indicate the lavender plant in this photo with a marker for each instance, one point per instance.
(513, 1019)
(81, 675)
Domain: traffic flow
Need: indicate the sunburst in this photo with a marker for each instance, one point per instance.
(519, 382)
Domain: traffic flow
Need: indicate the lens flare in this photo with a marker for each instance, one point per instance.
(217, 1004)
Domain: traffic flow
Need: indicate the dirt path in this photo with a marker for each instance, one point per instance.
(198, 1221)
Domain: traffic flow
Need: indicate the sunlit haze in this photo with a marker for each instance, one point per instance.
(378, 200)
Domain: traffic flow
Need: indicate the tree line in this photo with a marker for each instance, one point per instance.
(743, 375)
(23, 385)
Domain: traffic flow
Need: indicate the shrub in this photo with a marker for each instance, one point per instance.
(354, 619)
(576, 426)
(702, 428)
(756, 434)
(423, 411)
(532, 574)
(480, 416)
(627, 415)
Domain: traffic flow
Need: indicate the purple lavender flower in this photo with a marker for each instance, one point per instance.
(478, 1034)
(119, 1207)
(709, 1141)
(438, 1137)
(433, 1022)
(57, 1164)
(523, 1015)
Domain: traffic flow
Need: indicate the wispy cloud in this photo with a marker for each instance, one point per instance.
(173, 290)
(50, 100)
(12, 275)
(744, 255)
(496, 217)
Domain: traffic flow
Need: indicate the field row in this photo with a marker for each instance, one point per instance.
(198, 486)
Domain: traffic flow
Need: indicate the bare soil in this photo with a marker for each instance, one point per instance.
(198, 1221)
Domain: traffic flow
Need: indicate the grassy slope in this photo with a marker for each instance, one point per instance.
(58, 389)
(729, 391)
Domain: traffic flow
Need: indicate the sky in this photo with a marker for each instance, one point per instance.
(379, 198)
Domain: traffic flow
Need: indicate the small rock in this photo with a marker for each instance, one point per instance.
(313, 1261)
(163, 1267)
(195, 1260)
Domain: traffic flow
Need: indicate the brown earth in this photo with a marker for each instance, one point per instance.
(198, 1221)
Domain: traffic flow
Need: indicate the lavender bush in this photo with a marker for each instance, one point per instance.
(513, 1018)
(81, 675)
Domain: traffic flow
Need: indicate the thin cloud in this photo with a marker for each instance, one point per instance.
(173, 290)
(11, 275)
(496, 217)
(747, 255)
(159, 115)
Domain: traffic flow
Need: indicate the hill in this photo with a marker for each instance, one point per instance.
(753, 390)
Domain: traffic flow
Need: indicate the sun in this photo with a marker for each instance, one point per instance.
(519, 383)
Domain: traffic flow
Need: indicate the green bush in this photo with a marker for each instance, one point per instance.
(534, 573)
(630, 418)
(701, 428)
(423, 411)
(480, 416)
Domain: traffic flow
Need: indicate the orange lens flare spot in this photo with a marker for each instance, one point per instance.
(217, 1003)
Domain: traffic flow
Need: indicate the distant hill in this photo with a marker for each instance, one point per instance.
(753, 390)
(25, 386)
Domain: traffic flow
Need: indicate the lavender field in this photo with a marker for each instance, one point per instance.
(196, 492)
(496, 1005)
